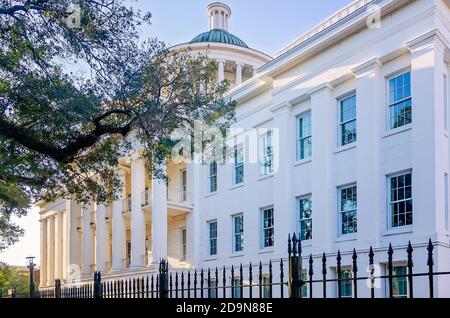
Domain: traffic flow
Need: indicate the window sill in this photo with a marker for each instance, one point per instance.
(345, 148)
(306, 243)
(398, 230)
(265, 177)
(237, 186)
(302, 162)
(237, 254)
(211, 194)
(396, 131)
(346, 238)
(210, 259)
(266, 250)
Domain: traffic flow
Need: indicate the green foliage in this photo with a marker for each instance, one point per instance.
(13, 278)
(63, 133)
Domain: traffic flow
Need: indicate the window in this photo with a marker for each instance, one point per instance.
(446, 200)
(304, 287)
(304, 137)
(305, 210)
(400, 104)
(401, 205)
(183, 244)
(267, 154)
(445, 102)
(236, 288)
(399, 284)
(238, 164)
(183, 185)
(212, 293)
(212, 238)
(266, 286)
(213, 177)
(238, 233)
(348, 210)
(268, 227)
(345, 284)
(347, 120)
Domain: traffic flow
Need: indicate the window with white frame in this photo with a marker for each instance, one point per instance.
(347, 120)
(268, 233)
(266, 153)
(399, 282)
(348, 208)
(304, 132)
(400, 103)
(445, 102)
(345, 284)
(238, 164)
(212, 227)
(183, 185)
(400, 200)
(266, 286)
(213, 177)
(236, 288)
(305, 213)
(238, 233)
(183, 243)
(212, 289)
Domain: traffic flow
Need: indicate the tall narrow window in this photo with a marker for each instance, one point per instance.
(268, 227)
(399, 282)
(348, 210)
(238, 233)
(305, 210)
(445, 102)
(400, 104)
(183, 244)
(401, 203)
(213, 177)
(212, 238)
(183, 185)
(446, 194)
(236, 288)
(304, 137)
(267, 154)
(266, 286)
(212, 286)
(238, 164)
(345, 284)
(347, 120)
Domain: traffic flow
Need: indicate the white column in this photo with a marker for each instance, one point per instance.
(43, 258)
(323, 186)
(370, 179)
(118, 229)
(137, 215)
(238, 73)
(283, 136)
(159, 219)
(221, 70)
(73, 243)
(51, 250)
(87, 240)
(427, 69)
(100, 238)
(58, 245)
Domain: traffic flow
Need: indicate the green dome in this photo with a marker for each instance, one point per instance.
(219, 36)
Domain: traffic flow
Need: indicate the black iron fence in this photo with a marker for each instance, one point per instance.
(294, 277)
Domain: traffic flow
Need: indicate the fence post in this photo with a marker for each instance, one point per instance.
(163, 279)
(293, 263)
(430, 264)
(97, 285)
(57, 288)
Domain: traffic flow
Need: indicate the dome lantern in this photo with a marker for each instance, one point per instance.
(218, 16)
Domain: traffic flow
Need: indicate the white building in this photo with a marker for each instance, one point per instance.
(355, 115)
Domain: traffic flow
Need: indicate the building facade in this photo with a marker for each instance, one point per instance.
(350, 122)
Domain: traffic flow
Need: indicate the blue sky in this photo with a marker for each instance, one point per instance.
(265, 25)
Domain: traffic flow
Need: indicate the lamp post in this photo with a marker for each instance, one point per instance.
(30, 266)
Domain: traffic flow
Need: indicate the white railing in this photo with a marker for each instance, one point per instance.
(126, 205)
(341, 14)
(146, 197)
(178, 195)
